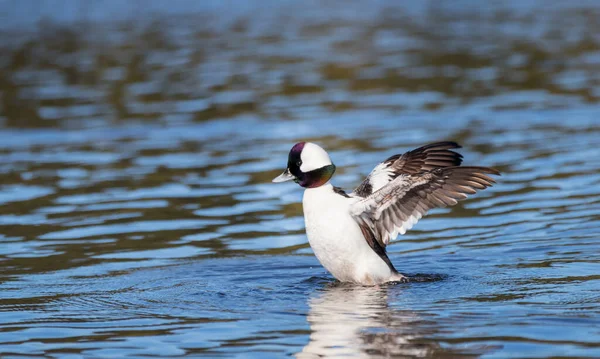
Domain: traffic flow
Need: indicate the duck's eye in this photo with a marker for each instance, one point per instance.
(299, 163)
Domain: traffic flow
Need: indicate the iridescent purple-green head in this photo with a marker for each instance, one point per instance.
(308, 165)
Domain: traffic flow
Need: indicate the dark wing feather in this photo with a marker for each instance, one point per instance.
(398, 206)
(426, 158)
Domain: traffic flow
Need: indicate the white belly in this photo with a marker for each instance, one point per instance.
(337, 240)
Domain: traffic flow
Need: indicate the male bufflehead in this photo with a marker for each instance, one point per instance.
(348, 232)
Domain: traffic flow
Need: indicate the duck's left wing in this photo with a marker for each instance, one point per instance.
(396, 207)
(425, 158)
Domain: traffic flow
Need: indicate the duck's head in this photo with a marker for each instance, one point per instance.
(308, 165)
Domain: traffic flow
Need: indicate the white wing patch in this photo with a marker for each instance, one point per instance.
(380, 176)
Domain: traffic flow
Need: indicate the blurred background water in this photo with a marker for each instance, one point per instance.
(138, 141)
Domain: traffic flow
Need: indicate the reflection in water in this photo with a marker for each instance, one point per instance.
(359, 322)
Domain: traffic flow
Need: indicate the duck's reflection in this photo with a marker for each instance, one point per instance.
(353, 321)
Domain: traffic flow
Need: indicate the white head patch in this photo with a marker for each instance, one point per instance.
(313, 157)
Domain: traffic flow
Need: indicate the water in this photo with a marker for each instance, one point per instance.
(137, 216)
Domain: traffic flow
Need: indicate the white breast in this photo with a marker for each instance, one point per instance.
(337, 240)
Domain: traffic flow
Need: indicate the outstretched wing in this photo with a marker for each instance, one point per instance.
(426, 158)
(396, 207)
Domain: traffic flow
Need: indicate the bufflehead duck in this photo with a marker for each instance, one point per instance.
(348, 232)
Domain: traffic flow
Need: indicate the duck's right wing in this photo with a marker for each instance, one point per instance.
(425, 158)
(396, 207)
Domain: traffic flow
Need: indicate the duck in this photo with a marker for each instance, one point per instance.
(349, 232)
